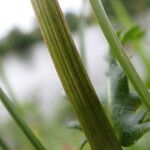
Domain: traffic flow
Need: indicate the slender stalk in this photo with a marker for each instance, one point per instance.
(21, 123)
(73, 76)
(127, 21)
(119, 53)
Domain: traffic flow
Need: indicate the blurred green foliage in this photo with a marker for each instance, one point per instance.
(53, 133)
(18, 41)
(73, 21)
(133, 6)
(136, 6)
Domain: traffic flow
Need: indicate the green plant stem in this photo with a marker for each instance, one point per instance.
(21, 123)
(73, 76)
(3, 145)
(119, 53)
(127, 21)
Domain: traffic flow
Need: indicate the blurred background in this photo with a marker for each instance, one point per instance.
(29, 78)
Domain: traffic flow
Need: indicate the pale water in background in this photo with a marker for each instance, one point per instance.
(37, 77)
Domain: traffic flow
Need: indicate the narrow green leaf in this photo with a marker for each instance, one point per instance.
(119, 53)
(73, 76)
(21, 123)
(138, 46)
(132, 34)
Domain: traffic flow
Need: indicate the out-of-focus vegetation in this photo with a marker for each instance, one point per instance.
(54, 133)
(134, 7)
(18, 41)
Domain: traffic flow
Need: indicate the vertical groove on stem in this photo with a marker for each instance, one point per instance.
(73, 76)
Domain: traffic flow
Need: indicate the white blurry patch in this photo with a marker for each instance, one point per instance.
(20, 13)
(15, 13)
(37, 77)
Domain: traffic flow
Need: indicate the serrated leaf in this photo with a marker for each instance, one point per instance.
(127, 110)
(118, 51)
